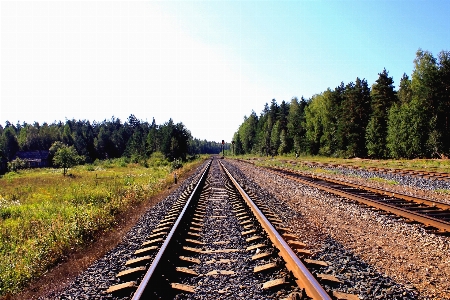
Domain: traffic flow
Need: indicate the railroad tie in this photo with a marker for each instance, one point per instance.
(274, 283)
(344, 296)
(329, 278)
(157, 234)
(289, 236)
(253, 238)
(146, 250)
(261, 255)
(195, 242)
(159, 229)
(283, 229)
(150, 242)
(265, 267)
(303, 252)
(121, 287)
(164, 223)
(138, 261)
(248, 226)
(248, 232)
(195, 250)
(296, 244)
(133, 272)
(243, 218)
(183, 287)
(170, 218)
(194, 234)
(187, 271)
(190, 259)
(172, 215)
(246, 222)
(318, 263)
(254, 247)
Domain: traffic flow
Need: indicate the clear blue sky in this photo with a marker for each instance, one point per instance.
(203, 63)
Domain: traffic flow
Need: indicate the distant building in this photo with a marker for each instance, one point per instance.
(35, 159)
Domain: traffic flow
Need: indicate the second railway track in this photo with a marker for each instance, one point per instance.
(434, 215)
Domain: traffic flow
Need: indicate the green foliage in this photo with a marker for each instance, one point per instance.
(177, 164)
(67, 157)
(9, 142)
(110, 139)
(383, 97)
(247, 133)
(355, 121)
(296, 125)
(384, 180)
(17, 164)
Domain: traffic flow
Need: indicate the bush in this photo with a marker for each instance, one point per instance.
(176, 164)
(17, 164)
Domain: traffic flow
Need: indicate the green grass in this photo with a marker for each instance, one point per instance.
(383, 180)
(443, 191)
(44, 215)
(436, 165)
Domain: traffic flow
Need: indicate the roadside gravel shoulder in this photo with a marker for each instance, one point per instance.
(404, 252)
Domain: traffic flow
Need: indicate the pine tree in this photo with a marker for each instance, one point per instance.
(355, 114)
(382, 97)
(295, 127)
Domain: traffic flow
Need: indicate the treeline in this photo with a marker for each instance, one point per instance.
(355, 120)
(134, 138)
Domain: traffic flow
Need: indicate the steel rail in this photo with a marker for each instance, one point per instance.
(142, 286)
(418, 200)
(304, 278)
(419, 173)
(441, 225)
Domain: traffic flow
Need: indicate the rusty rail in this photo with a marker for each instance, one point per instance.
(441, 225)
(142, 286)
(418, 200)
(304, 278)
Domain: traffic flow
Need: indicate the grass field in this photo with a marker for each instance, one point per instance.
(44, 215)
(436, 165)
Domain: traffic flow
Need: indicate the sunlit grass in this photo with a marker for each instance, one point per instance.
(436, 165)
(443, 191)
(44, 215)
(384, 180)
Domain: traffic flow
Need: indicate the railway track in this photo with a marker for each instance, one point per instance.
(433, 175)
(434, 215)
(217, 243)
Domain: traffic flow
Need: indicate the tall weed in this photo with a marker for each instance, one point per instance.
(44, 215)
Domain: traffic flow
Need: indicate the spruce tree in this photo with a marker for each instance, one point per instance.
(382, 97)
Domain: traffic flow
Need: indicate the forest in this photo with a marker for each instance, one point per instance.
(134, 139)
(356, 120)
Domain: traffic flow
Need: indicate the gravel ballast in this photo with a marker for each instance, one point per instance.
(410, 263)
